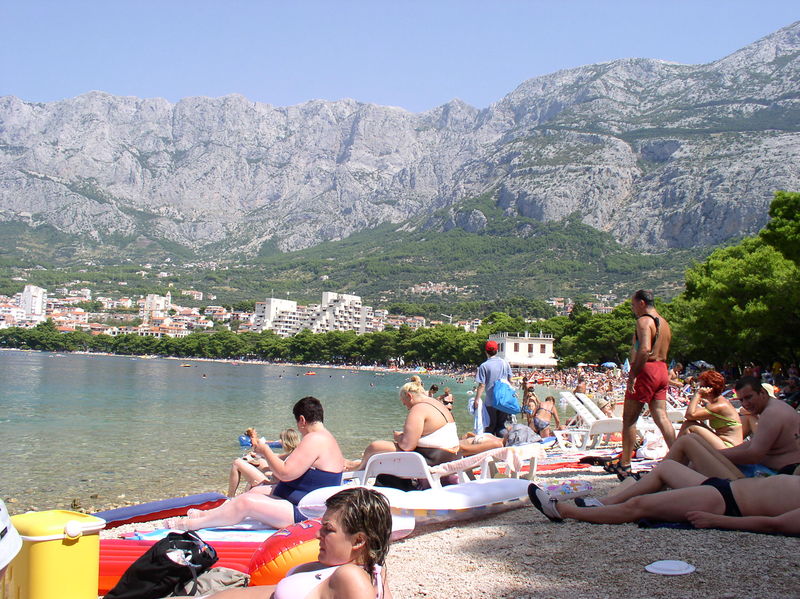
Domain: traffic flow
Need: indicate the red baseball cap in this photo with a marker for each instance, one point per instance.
(491, 346)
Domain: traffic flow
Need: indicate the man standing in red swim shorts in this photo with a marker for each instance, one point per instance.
(649, 378)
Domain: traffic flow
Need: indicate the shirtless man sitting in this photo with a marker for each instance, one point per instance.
(770, 504)
(774, 446)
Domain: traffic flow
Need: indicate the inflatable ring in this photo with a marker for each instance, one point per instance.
(289, 547)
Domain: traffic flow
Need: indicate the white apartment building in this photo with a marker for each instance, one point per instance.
(522, 350)
(10, 315)
(34, 302)
(155, 306)
(275, 314)
(336, 312)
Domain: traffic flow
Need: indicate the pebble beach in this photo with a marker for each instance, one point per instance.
(521, 554)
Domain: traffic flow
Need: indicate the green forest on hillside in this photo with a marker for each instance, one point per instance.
(741, 304)
(565, 258)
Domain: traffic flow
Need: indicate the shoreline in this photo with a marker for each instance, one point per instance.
(245, 361)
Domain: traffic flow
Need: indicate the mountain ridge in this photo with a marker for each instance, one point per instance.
(660, 154)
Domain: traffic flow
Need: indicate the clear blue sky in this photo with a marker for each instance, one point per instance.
(409, 53)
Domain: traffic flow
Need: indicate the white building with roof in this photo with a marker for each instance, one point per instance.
(523, 350)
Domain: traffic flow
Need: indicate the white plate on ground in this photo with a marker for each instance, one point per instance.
(670, 567)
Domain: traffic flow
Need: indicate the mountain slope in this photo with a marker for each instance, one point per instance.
(658, 154)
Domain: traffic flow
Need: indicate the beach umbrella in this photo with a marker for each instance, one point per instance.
(582, 364)
(609, 364)
(626, 367)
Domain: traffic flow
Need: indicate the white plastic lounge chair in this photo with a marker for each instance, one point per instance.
(409, 464)
(676, 416)
(592, 427)
(591, 405)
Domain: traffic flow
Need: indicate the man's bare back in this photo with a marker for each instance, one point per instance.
(785, 448)
(656, 338)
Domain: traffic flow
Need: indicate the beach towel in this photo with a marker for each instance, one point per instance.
(248, 534)
(563, 466)
(480, 416)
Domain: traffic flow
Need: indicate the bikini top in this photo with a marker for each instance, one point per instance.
(301, 584)
(636, 333)
(718, 421)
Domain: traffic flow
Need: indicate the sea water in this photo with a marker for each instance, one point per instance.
(105, 430)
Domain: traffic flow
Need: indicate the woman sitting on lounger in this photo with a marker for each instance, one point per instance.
(317, 462)
(255, 468)
(723, 428)
(353, 543)
(770, 504)
(429, 430)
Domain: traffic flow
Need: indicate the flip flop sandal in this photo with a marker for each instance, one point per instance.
(611, 466)
(624, 472)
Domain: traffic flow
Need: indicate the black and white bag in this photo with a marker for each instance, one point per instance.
(165, 568)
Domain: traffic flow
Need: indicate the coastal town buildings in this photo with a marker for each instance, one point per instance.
(155, 315)
(603, 303)
(523, 350)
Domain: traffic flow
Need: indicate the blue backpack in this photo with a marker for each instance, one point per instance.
(505, 398)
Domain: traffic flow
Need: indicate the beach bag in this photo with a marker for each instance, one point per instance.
(505, 398)
(521, 434)
(164, 568)
(653, 446)
(214, 581)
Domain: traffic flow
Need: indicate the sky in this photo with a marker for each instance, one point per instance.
(410, 53)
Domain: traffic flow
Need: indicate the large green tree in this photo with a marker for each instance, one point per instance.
(783, 230)
(743, 303)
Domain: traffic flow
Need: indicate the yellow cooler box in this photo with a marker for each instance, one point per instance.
(60, 556)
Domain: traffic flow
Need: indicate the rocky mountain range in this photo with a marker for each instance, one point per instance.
(659, 154)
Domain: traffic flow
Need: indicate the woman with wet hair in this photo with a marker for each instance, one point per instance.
(710, 415)
(353, 543)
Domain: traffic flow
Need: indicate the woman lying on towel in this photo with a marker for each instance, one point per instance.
(770, 504)
(316, 462)
(429, 430)
(515, 434)
(353, 543)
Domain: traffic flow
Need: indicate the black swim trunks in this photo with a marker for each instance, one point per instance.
(723, 485)
(788, 469)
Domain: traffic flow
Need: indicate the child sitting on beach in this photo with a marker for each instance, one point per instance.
(255, 468)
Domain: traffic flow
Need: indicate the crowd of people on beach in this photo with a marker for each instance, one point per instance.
(727, 466)
(732, 463)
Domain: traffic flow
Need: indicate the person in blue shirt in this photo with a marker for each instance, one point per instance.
(493, 369)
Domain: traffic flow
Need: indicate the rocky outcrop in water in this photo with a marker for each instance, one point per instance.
(660, 154)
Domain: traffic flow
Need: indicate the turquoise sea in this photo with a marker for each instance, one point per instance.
(133, 429)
